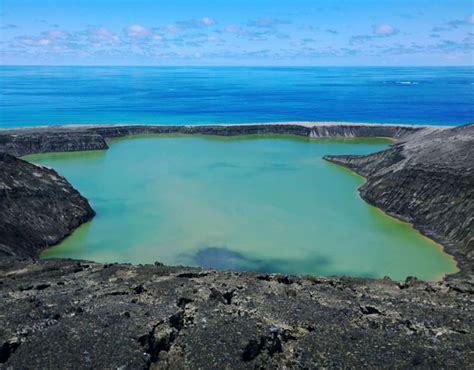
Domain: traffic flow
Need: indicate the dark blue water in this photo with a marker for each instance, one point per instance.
(68, 95)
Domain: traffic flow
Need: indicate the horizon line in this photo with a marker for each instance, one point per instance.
(241, 66)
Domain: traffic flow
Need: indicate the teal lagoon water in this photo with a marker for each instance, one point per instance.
(267, 204)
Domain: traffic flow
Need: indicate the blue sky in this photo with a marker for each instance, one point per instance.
(237, 32)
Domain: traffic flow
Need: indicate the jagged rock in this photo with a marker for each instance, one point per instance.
(24, 141)
(427, 179)
(38, 207)
(335, 322)
(29, 142)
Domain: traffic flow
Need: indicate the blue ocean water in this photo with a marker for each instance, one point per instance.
(204, 95)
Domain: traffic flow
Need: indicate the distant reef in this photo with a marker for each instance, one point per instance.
(78, 314)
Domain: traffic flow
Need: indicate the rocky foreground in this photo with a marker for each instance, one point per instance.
(69, 314)
(77, 314)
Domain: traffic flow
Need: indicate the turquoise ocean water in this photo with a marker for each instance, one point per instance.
(67, 95)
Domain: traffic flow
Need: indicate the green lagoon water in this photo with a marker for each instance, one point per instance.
(250, 203)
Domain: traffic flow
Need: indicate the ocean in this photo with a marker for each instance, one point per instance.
(31, 96)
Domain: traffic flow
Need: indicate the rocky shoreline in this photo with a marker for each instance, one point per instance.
(19, 142)
(64, 313)
(426, 179)
(38, 208)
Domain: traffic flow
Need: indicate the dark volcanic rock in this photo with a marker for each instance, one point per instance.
(426, 179)
(77, 314)
(94, 317)
(24, 141)
(42, 141)
(38, 207)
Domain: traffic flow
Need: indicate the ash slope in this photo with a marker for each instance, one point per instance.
(427, 179)
(38, 207)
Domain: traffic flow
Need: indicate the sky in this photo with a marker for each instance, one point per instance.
(237, 32)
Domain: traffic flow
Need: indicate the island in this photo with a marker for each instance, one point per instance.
(61, 313)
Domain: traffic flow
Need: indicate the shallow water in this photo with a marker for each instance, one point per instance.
(190, 95)
(262, 203)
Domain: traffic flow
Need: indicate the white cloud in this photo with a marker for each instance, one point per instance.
(266, 22)
(56, 34)
(26, 41)
(213, 38)
(171, 28)
(29, 41)
(208, 21)
(137, 31)
(471, 19)
(233, 29)
(47, 38)
(385, 30)
(44, 42)
(103, 35)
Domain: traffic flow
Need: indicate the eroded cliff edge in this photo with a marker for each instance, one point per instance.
(427, 179)
(19, 142)
(38, 207)
(62, 313)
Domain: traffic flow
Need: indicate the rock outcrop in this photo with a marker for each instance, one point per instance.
(70, 314)
(427, 179)
(46, 141)
(21, 142)
(38, 207)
